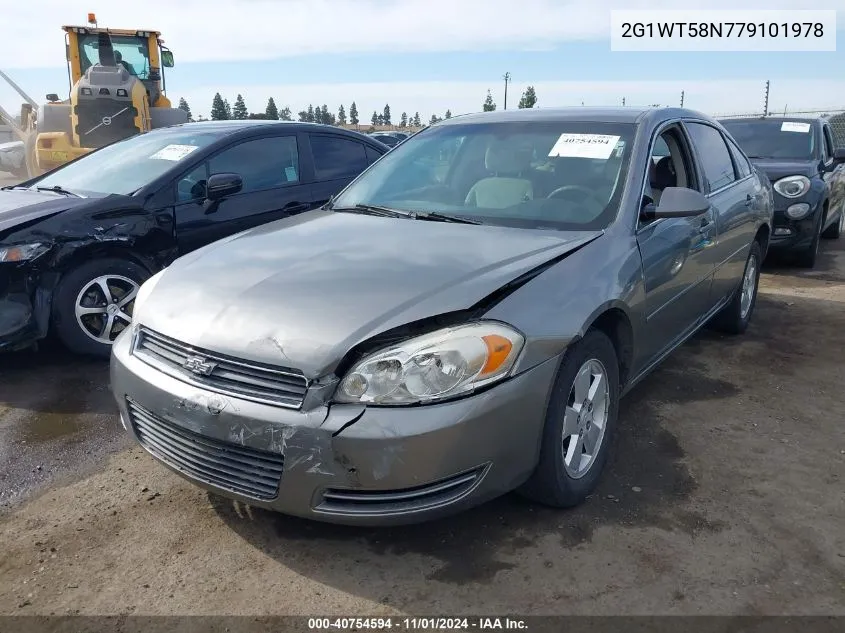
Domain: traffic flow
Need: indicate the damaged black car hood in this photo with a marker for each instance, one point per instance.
(777, 168)
(19, 206)
(302, 292)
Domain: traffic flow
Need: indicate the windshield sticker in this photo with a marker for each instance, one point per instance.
(174, 152)
(620, 148)
(599, 146)
(794, 126)
(290, 174)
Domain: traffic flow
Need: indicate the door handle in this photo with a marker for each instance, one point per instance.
(293, 207)
(749, 200)
(706, 225)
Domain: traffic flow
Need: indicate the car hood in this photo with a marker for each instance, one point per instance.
(302, 292)
(777, 168)
(18, 206)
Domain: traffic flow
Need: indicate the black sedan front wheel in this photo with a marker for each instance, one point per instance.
(93, 304)
(579, 427)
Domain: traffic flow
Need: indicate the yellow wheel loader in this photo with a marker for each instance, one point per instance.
(117, 90)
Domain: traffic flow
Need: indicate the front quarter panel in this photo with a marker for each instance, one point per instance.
(558, 306)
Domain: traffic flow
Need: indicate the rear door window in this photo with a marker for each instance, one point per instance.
(337, 157)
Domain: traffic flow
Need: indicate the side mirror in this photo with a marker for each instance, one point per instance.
(680, 202)
(52, 97)
(167, 59)
(839, 156)
(219, 186)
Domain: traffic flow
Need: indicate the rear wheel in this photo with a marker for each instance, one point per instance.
(735, 317)
(94, 302)
(580, 422)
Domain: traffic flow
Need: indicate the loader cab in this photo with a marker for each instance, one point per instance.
(141, 53)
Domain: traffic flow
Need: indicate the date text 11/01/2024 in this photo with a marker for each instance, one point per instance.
(422, 624)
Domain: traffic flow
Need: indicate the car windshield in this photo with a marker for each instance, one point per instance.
(773, 138)
(564, 175)
(128, 165)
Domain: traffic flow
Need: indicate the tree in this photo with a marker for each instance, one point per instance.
(341, 115)
(285, 114)
(326, 117)
(218, 108)
(271, 111)
(318, 115)
(403, 120)
(433, 119)
(489, 105)
(303, 115)
(417, 122)
(257, 115)
(239, 111)
(183, 105)
(228, 108)
(386, 115)
(310, 118)
(448, 114)
(374, 120)
(528, 99)
(353, 114)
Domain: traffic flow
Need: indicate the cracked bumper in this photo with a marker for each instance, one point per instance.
(18, 324)
(344, 463)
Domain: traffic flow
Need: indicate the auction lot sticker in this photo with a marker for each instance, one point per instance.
(599, 146)
(174, 152)
(795, 126)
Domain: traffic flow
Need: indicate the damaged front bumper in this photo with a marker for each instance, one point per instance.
(22, 308)
(338, 463)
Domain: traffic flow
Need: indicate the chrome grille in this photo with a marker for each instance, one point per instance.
(278, 386)
(237, 469)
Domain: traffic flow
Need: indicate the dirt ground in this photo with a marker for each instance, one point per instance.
(725, 494)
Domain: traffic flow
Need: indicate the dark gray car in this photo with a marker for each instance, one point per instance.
(459, 322)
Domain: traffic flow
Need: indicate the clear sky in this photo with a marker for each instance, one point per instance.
(422, 55)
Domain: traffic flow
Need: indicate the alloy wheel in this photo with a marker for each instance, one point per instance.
(585, 418)
(104, 307)
(749, 287)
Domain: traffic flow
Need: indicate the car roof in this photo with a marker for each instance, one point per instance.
(797, 119)
(230, 127)
(621, 114)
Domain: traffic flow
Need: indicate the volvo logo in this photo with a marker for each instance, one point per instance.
(199, 366)
(106, 120)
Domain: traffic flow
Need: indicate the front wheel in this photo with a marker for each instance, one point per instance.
(835, 230)
(93, 304)
(580, 422)
(807, 258)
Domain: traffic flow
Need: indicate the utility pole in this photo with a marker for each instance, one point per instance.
(507, 78)
(682, 98)
(766, 103)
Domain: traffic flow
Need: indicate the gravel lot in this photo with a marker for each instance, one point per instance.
(724, 495)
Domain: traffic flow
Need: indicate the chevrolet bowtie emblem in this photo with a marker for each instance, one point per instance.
(199, 365)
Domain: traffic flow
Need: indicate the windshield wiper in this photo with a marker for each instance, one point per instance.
(436, 216)
(10, 187)
(58, 189)
(371, 209)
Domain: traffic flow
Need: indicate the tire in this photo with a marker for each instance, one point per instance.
(807, 258)
(735, 317)
(81, 288)
(553, 482)
(835, 230)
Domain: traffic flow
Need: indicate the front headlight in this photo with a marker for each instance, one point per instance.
(22, 252)
(443, 364)
(793, 186)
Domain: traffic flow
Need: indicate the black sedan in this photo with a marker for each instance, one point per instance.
(77, 242)
(800, 158)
